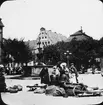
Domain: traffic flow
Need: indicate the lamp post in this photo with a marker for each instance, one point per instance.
(67, 53)
(39, 55)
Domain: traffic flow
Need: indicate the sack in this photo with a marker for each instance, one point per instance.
(12, 90)
(55, 91)
(39, 90)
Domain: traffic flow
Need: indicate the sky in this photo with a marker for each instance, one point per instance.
(24, 18)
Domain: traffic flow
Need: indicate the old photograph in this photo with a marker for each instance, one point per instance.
(51, 52)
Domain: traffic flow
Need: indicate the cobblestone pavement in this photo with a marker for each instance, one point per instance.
(29, 98)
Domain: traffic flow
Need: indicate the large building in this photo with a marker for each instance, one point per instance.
(47, 37)
(79, 35)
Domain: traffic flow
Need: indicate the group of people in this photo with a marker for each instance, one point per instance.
(59, 75)
(58, 78)
(58, 81)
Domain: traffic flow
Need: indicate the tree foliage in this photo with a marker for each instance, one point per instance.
(16, 50)
(82, 51)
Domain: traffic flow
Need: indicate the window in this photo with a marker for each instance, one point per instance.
(48, 42)
(45, 37)
(43, 43)
(42, 37)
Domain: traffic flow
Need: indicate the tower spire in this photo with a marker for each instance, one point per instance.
(81, 29)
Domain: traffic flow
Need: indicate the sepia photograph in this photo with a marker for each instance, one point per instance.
(51, 52)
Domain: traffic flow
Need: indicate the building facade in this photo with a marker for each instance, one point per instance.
(47, 37)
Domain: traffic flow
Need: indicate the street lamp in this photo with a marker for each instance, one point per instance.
(67, 53)
(40, 54)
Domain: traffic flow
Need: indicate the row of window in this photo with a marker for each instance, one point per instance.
(44, 43)
(43, 37)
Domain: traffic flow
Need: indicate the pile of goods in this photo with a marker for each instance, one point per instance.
(14, 89)
(74, 89)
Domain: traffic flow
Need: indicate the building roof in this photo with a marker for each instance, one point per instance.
(55, 37)
(80, 32)
(79, 35)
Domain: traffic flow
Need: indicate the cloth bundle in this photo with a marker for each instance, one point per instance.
(14, 89)
(54, 91)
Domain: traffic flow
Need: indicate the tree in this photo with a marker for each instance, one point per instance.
(51, 54)
(18, 50)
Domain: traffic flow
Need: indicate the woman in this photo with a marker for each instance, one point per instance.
(44, 75)
(54, 77)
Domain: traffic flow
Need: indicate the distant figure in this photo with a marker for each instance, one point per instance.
(44, 75)
(82, 69)
(93, 68)
(74, 70)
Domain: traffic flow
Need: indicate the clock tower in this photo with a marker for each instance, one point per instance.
(1, 39)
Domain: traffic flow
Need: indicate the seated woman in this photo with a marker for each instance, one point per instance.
(54, 77)
(44, 76)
